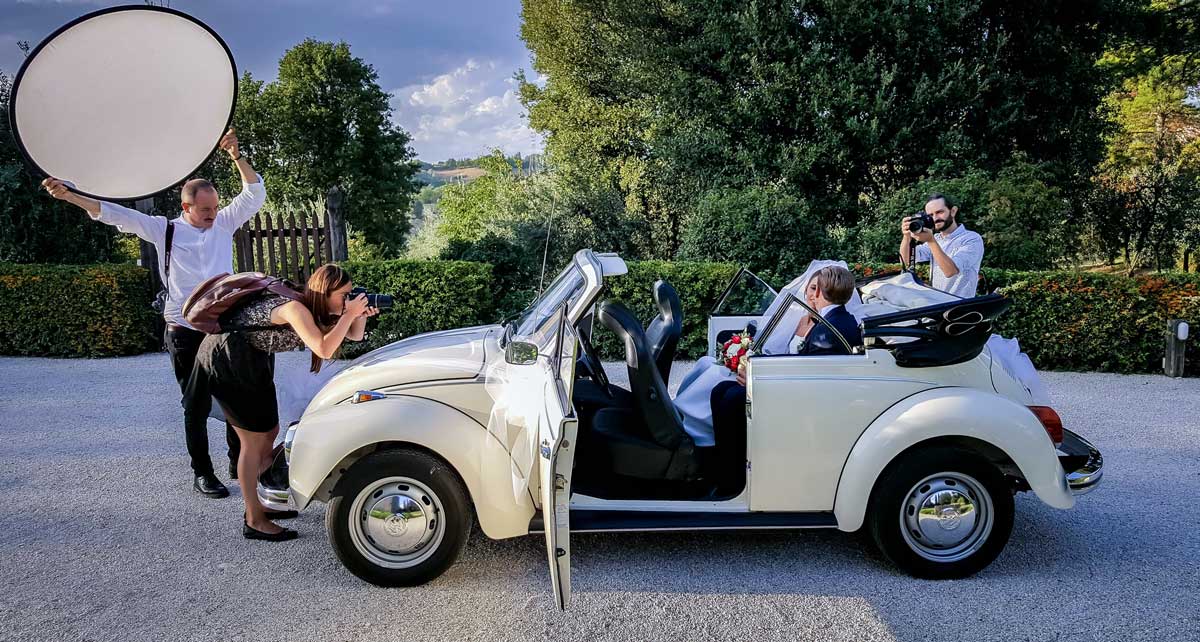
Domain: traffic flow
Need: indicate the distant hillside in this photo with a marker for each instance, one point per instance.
(437, 177)
(467, 169)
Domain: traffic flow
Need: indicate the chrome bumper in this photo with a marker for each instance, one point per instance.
(1083, 464)
(274, 498)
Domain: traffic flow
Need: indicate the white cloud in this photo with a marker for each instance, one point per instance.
(464, 113)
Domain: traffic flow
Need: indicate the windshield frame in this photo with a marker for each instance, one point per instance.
(587, 274)
(774, 322)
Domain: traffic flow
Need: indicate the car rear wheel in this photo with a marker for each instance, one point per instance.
(398, 518)
(941, 513)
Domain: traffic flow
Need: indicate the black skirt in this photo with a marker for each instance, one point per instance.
(241, 378)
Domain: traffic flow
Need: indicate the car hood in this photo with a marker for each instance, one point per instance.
(436, 356)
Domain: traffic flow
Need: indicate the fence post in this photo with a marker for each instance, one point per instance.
(334, 200)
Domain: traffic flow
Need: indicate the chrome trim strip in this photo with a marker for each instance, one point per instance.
(698, 528)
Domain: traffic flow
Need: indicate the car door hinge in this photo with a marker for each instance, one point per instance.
(560, 482)
(558, 552)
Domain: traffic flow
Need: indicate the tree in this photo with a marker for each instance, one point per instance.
(35, 228)
(1147, 204)
(324, 122)
(837, 103)
(761, 227)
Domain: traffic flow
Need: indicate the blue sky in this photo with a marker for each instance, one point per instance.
(448, 65)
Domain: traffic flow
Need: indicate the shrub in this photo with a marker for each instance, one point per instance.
(759, 227)
(1021, 217)
(698, 285)
(430, 295)
(1087, 321)
(76, 310)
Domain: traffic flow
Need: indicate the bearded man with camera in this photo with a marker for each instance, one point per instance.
(954, 252)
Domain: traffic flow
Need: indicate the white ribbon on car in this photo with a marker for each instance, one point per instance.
(517, 405)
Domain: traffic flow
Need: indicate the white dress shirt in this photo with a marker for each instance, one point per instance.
(196, 255)
(965, 248)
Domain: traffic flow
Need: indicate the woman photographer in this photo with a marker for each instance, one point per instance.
(237, 368)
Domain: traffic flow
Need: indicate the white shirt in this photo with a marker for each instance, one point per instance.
(196, 255)
(965, 248)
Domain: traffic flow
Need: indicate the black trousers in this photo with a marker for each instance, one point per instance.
(728, 401)
(182, 344)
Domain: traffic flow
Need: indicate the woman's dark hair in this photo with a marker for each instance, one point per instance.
(324, 281)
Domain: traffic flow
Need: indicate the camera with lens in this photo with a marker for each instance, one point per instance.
(919, 222)
(379, 301)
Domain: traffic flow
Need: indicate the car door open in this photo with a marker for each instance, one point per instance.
(557, 429)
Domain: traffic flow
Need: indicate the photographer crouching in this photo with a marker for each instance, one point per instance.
(954, 252)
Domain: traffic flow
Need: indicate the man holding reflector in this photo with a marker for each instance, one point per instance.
(191, 249)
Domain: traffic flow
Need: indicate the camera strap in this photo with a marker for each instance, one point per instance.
(167, 256)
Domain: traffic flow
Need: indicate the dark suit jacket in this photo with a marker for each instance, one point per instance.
(821, 341)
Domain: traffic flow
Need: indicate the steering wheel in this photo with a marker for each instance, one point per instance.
(592, 361)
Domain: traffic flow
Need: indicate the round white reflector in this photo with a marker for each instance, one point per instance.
(124, 103)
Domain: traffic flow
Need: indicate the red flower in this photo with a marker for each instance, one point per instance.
(737, 338)
(733, 363)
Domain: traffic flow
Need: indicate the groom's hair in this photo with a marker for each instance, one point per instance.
(836, 282)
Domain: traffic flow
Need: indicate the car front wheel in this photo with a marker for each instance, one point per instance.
(941, 513)
(398, 518)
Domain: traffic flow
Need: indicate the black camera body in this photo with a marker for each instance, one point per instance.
(379, 301)
(919, 222)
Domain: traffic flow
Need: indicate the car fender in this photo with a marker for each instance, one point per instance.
(328, 439)
(949, 412)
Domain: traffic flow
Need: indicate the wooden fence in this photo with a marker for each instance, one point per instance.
(292, 245)
(289, 245)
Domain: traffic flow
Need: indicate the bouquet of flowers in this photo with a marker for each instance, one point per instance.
(735, 349)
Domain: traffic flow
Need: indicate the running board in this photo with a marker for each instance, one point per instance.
(590, 520)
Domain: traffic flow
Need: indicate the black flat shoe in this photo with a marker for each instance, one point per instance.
(250, 532)
(209, 486)
(277, 514)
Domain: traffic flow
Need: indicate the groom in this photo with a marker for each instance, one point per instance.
(828, 291)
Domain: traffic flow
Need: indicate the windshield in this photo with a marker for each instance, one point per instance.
(535, 324)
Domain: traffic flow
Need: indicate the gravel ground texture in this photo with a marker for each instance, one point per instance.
(102, 538)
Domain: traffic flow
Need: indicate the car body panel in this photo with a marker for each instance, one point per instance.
(807, 412)
(432, 357)
(950, 412)
(329, 439)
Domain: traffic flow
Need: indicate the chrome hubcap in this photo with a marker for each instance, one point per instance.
(946, 517)
(397, 522)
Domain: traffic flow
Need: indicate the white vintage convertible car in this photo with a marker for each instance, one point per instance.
(920, 438)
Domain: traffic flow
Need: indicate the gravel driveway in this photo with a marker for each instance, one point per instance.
(102, 538)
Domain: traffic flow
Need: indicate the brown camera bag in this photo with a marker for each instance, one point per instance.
(215, 297)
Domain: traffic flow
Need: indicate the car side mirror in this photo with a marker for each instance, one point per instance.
(520, 353)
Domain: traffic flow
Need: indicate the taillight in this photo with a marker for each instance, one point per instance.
(1050, 421)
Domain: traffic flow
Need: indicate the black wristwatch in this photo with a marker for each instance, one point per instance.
(239, 156)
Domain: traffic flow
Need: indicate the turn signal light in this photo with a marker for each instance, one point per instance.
(366, 395)
(1050, 421)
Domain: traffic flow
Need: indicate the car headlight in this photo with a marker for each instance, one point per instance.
(288, 438)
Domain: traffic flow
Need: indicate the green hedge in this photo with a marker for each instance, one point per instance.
(75, 310)
(430, 295)
(698, 285)
(1087, 321)
(1064, 320)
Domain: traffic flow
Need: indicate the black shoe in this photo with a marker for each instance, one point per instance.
(209, 486)
(277, 514)
(250, 532)
(233, 470)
